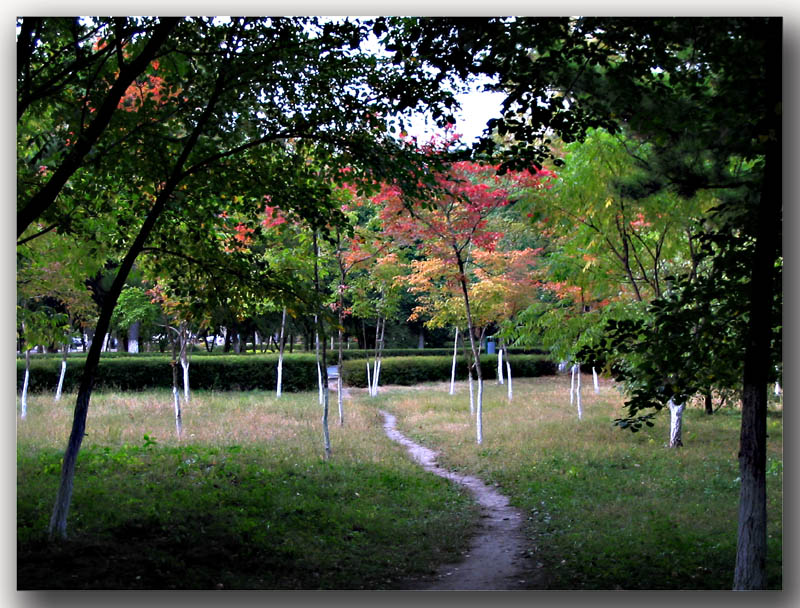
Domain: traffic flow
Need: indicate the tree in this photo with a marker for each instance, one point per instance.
(136, 308)
(240, 101)
(446, 227)
(79, 65)
(681, 84)
(53, 299)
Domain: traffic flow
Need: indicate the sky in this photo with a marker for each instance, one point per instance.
(477, 107)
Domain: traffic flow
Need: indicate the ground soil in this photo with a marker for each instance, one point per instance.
(498, 557)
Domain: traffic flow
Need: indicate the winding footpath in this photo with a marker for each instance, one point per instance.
(497, 558)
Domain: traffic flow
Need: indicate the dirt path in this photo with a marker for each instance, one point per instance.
(497, 558)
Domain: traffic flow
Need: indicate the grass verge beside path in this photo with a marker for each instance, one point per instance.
(244, 501)
(607, 509)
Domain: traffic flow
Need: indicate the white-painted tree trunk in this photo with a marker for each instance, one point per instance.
(133, 337)
(453, 370)
(176, 396)
(340, 365)
(369, 378)
(185, 368)
(184, 358)
(322, 364)
(319, 367)
(778, 389)
(61, 380)
(23, 412)
(63, 372)
(381, 327)
(376, 377)
(675, 423)
(596, 382)
(508, 373)
(572, 385)
(319, 381)
(575, 388)
(279, 383)
(176, 400)
(500, 365)
(471, 393)
(479, 413)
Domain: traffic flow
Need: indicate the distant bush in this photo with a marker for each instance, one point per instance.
(133, 373)
(408, 371)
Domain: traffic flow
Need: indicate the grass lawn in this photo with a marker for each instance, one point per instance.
(607, 508)
(245, 500)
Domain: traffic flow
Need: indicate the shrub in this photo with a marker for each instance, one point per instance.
(408, 371)
(134, 373)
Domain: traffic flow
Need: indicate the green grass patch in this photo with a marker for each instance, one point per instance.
(244, 501)
(606, 508)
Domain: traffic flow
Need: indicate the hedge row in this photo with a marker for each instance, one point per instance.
(409, 371)
(236, 372)
(231, 372)
(351, 353)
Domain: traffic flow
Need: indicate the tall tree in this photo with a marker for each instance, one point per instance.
(682, 84)
(446, 228)
(218, 108)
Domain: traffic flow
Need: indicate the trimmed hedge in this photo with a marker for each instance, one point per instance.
(408, 371)
(238, 372)
(221, 373)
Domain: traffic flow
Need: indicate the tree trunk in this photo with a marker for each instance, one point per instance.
(321, 360)
(184, 358)
(380, 329)
(751, 549)
(595, 380)
(63, 373)
(572, 384)
(23, 412)
(675, 423)
(575, 388)
(339, 396)
(469, 377)
(499, 363)
(376, 377)
(508, 374)
(709, 403)
(475, 355)
(176, 400)
(453, 371)
(373, 388)
(281, 344)
(421, 339)
(325, 401)
(133, 337)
